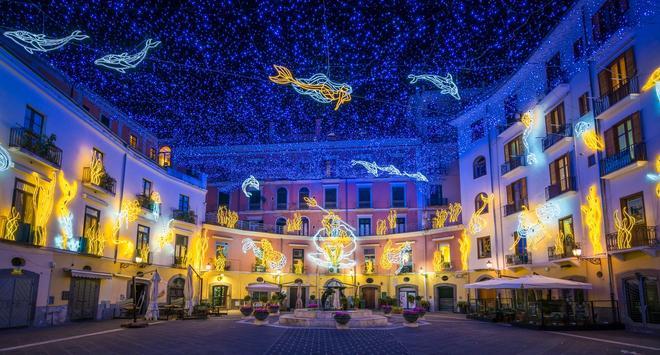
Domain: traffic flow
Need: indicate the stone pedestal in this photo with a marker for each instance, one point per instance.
(411, 325)
(342, 326)
(261, 322)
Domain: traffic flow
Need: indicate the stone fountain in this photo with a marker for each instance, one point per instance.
(311, 318)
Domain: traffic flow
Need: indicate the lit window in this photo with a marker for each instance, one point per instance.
(165, 156)
(132, 141)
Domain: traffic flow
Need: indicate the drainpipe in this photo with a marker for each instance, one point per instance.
(492, 207)
(121, 200)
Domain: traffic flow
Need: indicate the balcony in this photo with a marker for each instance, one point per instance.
(185, 216)
(437, 201)
(552, 138)
(514, 207)
(180, 262)
(643, 237)
(563, 186)
(620, 163)
(564, 257)
(407, 269)
(511, 123)
(40, 146)
(513, 163)
(258, 268)
(519, 260)
(24, 233)
(446, 267)
(608, 100)
(106, 183)
(555, 78)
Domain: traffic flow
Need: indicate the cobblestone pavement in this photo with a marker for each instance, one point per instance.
(445, 334)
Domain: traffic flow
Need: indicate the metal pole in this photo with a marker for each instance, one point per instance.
(134, 300)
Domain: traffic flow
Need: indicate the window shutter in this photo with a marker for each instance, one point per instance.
(548, 123)
(523, 190)
(631, 69)
(561, 118)
(604, 82)
(609, 142)
(637, 128)
(509, 194)
(553, 173)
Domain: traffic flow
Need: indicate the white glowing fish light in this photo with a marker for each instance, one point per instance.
(249, 182)
(375, 169)
(33, 42)
(124, 61)
(445, 84)
(5, 160)
(528, 121)
(532, 228)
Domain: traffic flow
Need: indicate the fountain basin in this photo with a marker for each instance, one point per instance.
(362, 318)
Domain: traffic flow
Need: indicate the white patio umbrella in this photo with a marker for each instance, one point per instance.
(529, 282)
(152, 310)
(299, 302)
(188, 291)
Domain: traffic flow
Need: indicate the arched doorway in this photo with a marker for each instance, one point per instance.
(445, 297)
(219, 295)
(175, 289)
(483, 294)
(402, 292)
(18, 296)
(369, 293)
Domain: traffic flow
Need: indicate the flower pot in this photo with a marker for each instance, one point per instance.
(246, 311)
(274, 309)
(387, 309)
(260, 316)
(421, 312)
(411, 316)
(342, 319)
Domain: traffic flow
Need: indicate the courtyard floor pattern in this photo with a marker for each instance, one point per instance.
(328, 341)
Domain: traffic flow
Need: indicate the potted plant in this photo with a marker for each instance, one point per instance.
(411, 316)
(342, 319)
(462, 306)
(246, 308)
(263, 300)
(397, 310)
(312, 302)
(260, 316)
(420, 311)
(387, 309)
(357, 303)
(411, 300)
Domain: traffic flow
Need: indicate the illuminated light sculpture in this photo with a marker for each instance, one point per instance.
(96, 170)
(437, 261)
(12, 224)
(445, 84)
(399, 255)
(391, 219)
(273, 259)
(559, 243)
(528, 121)
(478, 223)
(369, 266)
(5, 160)
(653, 80)
(381, 227)
(454, 210)
(156, 201)
(143, 253)
(33, 42)
(464, 246)
(589, 136)
(375, 169)
(319, 87)
(227, 217)
(197, 253)
(126, 248)
(440, 219)
(166, 236)
(548, 212)
(334, 243)
(294, 224)
(249, 182)
(42, 204)
(66, 239)
(96, 240)
(124, 61)
(298, 267)
(656, 177)
(220, 260)
(593, 216)
(624, 225)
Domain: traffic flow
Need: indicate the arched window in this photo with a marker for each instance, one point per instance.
(478, 202)
(304, 230)
(165, 156)
(175, 290)
(281, 198)
(280, 225)
(479, 167)
(304, 192)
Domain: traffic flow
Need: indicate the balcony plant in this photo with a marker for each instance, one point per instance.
(411, 316)
(260, 316)
(342, 319)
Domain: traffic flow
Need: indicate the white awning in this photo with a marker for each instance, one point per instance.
(263, 287)
(85, 274)
(529, 282)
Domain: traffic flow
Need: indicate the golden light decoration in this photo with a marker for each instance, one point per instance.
(319, 87)
(11, 226)
(143, 252)
(391, 218)
(624, 224)
(334, 243)
(64, 216)
(227, 217)
(559, 243)
(273, 259)
(96, 169)
(529, 228)
(369, 266)
(454, 210)
(593, 141)
(440, 219)
(653, 80)
(220, 260)
(395, 255)
(311, 202)
(464, 246)
(126, 248)
(381, 227)
(593, 217)
(298, 267)
(167, 235)
(295, 223)
(42, 204)
(478, 223)
(197, 253)
(96, 240)
(437, 261)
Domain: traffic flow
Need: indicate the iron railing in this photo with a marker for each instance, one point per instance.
(106, 183)
(514, 207)
(641, 236)
(563, 185)
(552, 138)
(36, 144)
(519, 259)
(437, 201)
(512, 163)
(184, 216)
(553, 254)
(626, 87)
(634, 153)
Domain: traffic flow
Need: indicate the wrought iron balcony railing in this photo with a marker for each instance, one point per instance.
(552, 138)
(514, 207)
(512, 163)
(106, 182)
(641, 236)
(36, 144)
(562, 186)
(626, 87)
(519, 259)
(634, 153)
(553, 254)
(184, 216)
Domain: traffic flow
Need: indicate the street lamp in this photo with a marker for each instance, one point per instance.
(489, 265)
(577, 252)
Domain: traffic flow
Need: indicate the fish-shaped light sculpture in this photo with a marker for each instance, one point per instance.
(375, 169)
(319, 87)
(124, 61)
(653, 80)
(250, 182)
(444, 83)
(5, 160)
(33, 42)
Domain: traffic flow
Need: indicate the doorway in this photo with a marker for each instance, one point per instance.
(404, 293)
(142, 292)
(83, 298)
(219, 296)
(293, 296)
(445, 298)
(369, 297)
(18, 295)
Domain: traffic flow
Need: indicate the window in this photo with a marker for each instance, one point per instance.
(281, 198)
(175, 290)
(34, 121)
(477, 130)
(302, 193)
(398, 196)
(298, 261)
(142, 240)
(561, 176)
(91, 225)
(364, 196)
(152, 153)
(364, 226)
(254, 199)
(514, 149)
(566, 228)
(132, 141)
(623, 136)
(642, 299)
(328, 168)
(23, 195)
(436, 198)
(305, 226)
(407, 262)
(180, 249)
(520, 246)
(146, 187)
(280, 225)
(634, 204)
(583, 104)
(479, 167)
(445, 253)
(369, 260)
(591, 160)
(479, 202)
(223, 199)
(516, 196)
(105, 120)
(617, 74)
(97, 154)
(608, 19)
(222, 248)
(555, 120)
(400, 225)
(483, 247)
(184, 203)
(165, 156)
(553, 71)
(330, 197)
(578, 48)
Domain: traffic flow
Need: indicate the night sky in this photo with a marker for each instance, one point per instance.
(207, 83)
